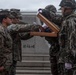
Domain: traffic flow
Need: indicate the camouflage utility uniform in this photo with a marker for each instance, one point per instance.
(50, 13)
(19, 32)
(67, 35)
(5, 50)
(67, 39)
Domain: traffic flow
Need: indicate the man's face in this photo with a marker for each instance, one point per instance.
(15, 20)
(8, 21)
(66, 11)
(62, 10)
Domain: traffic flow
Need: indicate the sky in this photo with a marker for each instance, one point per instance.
(28, 5)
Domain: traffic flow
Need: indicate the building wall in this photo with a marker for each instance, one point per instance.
(36, 44)
(30, 17)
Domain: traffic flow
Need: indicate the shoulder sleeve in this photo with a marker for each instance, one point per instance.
(18, 28)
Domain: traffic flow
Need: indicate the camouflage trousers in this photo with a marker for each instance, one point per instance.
(53, 64)
(54, 68)
(7, 65)
(4, 73)
(53, 51)
(13, 68)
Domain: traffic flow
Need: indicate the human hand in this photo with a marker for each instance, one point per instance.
(1, 68)
(35, 28)
(68, 66)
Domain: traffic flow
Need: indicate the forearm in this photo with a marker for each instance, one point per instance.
(25, 35)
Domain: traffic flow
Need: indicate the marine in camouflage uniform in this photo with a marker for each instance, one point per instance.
(67, 39)
(19, 32)
(5, 44)
(50, 13)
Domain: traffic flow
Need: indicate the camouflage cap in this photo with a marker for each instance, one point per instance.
(68, 4)
(5, 12)
(51, 8)
(62, 2)
(16, 13)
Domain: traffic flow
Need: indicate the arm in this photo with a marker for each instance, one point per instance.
(25, 36)
(17, 28)
(51, 25)
(57, 19)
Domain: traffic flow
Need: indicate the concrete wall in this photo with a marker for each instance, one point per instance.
(36, 44)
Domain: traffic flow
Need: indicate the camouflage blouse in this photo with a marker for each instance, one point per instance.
(67, 40)
(5, 47)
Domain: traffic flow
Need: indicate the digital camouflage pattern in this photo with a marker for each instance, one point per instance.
(19, 31)
(16, 13)
(53, 41)
(5, 49)
(67, 38)
(17, 34)
(51, 8)
(57, 19)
